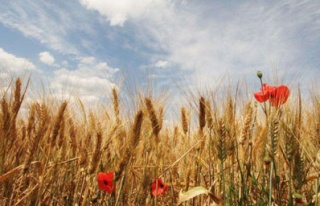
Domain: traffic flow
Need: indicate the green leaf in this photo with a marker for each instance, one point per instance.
(185, 196)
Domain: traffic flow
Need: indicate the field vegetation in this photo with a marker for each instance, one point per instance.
(221, 151)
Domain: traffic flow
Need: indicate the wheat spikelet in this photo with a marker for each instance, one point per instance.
(260, 142)
(19, 148)
(23, 130)
(175, 135)
(209, 115)
(61, 135)
(42, 112)
(83, 157)
(133, 143)
(116, 137)
(230, 111)
(93, 122)
(247, 124)
(222, 150)
(4, 132)
(299, 169)
(57, 123)
(160, 117)
(31, 120)
(29, 131)
(184, 120)
(87, 141)
(273, 136)
(135, 131)
(96, 153)
(202, 114)
(12, 132)
(289, 142)
(153, 118)
(34, 139)
(17, 98)
(72, 135)
(33, 145)
(6, 116)
(116, 105)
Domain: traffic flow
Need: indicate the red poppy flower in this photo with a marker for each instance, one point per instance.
(161, 187)
(264, 94)
(279, 96)
(105, 182)
(275, 95)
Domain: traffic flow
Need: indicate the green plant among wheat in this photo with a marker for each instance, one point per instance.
(263, 150)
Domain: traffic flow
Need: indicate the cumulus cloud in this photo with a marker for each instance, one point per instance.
(12, 64)
(46, 58)
(90, 81)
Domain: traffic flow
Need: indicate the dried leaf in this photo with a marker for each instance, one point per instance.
(185, 196)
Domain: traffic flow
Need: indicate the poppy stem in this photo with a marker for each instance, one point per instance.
(264, 103)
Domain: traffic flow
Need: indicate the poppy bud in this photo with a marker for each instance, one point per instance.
(267, 160)
(259, 74)
(298, 198)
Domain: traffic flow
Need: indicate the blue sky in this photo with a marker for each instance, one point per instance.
(85, 47)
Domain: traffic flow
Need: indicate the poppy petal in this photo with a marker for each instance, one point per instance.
(161, 187)
(264, 94)
(280, 96)
(109, 176)
(267, 88)
(261, 97)
(105, 182)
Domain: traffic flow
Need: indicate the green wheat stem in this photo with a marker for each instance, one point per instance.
(222, 179)
(290, 183)
(270, 185)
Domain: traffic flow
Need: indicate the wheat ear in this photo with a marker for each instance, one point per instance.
(202, 114)
(184, 120)
(57, 123)
(153, 118)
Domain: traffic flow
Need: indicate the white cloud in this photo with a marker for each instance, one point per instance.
(214, 39)
(161, 64)
(117, 12)
(46, 58)
(87, 60)
(12, 64)
(50, 23)
(90, 81)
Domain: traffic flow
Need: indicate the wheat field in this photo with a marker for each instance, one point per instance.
(233, 153)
